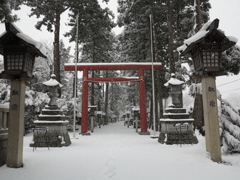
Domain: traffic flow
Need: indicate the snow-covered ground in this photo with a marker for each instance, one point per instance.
(117, 152)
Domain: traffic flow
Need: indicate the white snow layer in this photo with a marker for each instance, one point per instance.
(117, 152)
(201, 33)
(29, 40)
(121, 63)
(174, 81)
(52, 82)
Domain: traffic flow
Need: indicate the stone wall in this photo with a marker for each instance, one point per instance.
(3, 146)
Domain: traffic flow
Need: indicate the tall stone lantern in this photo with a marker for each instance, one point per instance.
(19, 52)
(175, 86)
(51, 127)
(205, 48)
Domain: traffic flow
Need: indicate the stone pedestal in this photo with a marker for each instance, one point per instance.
(53, 131)
(177, 127)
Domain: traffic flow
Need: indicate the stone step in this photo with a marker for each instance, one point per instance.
(58, 117)
(175, 110)
(51, 112)
(176, 115)
(3, 131)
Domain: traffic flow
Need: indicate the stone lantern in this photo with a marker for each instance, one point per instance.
(99, 118)
(124, 118)
(176, 124)
(53, 85)
(175, 86)
(205, 48)
(136, 122)
(91, 110)
(19, 52)
(51, 128)
(128, 118)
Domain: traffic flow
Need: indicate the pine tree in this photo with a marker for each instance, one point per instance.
(6, 7)
(65, 77)
(173, 20)
(95, 37)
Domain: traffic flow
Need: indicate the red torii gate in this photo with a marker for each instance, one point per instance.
(85, 67)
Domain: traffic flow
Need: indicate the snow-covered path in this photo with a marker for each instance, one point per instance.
(117, 152)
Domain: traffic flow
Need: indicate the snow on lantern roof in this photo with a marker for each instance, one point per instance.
(13, 29)
(173, 81)
(208, 29)
(52, 82)
(136, 108)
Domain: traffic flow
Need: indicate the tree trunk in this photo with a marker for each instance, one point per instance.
(56, 47)
(92, 84)
(170, 36)
(56, 50)
(160, 95)
(198, 16)
(106, 100)
(198, 103)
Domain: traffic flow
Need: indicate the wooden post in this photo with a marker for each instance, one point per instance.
(16, 124)
(210, 108)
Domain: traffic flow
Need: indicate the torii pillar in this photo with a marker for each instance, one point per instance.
(142, 102)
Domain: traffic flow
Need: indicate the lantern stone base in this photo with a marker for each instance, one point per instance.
(86, 134)
(50, 134)
(50, 130)
(144, 133)
(177, 127)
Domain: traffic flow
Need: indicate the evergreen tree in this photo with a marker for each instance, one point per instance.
(6, 7)
(173, 20)
(231, 60)
(95, 25)
(65, 76)
(50, 12)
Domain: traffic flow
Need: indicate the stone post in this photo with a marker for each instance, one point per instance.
(16, 124)
(211, 118)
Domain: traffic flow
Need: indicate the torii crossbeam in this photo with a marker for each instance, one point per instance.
(85, 67)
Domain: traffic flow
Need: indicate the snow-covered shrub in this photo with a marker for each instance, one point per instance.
(34, 102)
(67, 106)
(4, 92)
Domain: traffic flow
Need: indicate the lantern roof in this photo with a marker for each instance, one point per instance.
(174, 81)
(136, 108)
(52, 82)
(14, 36)
(208, 33)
